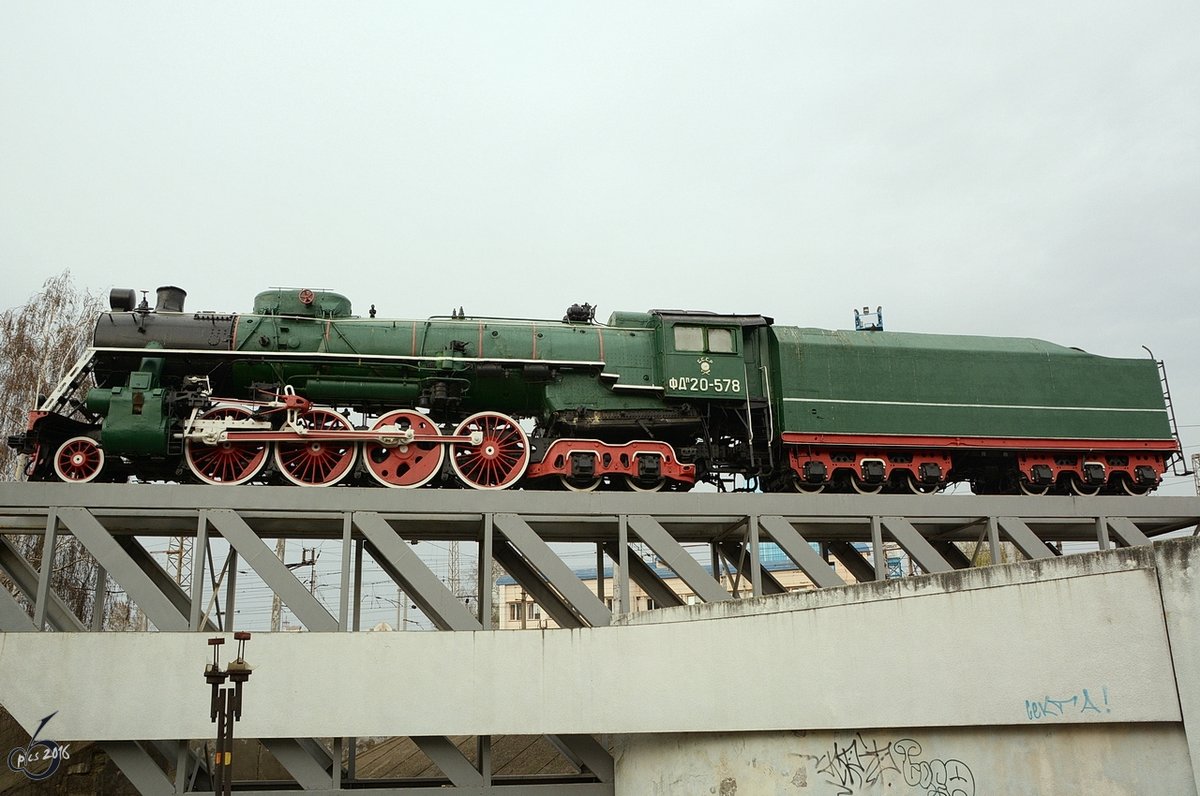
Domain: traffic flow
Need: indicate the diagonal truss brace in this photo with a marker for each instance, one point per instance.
(581, 599)
(165, 583)
(17, 567)
(308, 766)
(852, 560)
(798, 549)
(679, 560)
(738, 556)
(1025, 539)
(125, 569)
(263, 560)
(916, 545)
(1126, 531)
(522, 571)
(406, 568)
(585, 752)
(446, 756)
(644, 575)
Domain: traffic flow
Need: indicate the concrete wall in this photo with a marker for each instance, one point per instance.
(1065, 745)
(994, 668)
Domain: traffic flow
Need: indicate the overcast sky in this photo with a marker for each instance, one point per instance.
(1013, 168)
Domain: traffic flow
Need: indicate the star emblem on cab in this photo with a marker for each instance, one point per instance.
(705, 365)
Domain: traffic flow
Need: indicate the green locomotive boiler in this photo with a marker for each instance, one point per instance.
(302, 391)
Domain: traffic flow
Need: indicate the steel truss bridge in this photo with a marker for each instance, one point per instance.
(517, 530)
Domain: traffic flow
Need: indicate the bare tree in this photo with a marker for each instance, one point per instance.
(39, 342)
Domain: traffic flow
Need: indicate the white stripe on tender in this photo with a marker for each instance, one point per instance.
(971, 406)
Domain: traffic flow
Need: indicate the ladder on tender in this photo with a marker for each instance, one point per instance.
(1177, 462)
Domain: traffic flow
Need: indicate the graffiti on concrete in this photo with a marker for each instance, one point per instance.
(1082, 703)
(865, 763)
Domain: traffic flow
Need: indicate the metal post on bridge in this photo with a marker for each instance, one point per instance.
(226, 707)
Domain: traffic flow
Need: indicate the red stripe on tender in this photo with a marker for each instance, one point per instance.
(1015, 443)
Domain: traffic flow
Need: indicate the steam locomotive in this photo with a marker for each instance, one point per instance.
(302, 391)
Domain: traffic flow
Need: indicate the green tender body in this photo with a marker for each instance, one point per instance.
(843, 382)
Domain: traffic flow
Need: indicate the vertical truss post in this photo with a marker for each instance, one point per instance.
(484, 580)
(878, 554)
(344, 594)
(200, 553)
(43, 585)
(99, 598)
(1102, 533)
(230, 589)
(483, 753)
(600, 570)
(623, 563)
(756, 580)
(993, 536)
(358, 564)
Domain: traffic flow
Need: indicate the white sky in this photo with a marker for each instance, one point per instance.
(1013, 168)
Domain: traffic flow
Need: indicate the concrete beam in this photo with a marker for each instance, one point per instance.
(1106, 634)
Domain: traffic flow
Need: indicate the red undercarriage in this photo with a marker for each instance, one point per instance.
(588, 459)
(928, 460)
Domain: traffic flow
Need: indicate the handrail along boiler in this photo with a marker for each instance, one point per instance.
(655, 400)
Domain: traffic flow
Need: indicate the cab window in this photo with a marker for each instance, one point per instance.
(720, 341)
(699, 339)
(689, 338)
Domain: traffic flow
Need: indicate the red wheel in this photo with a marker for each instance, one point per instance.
(79, 460)
(499, 460)
(317, 462)
(406, 465)
(226, 463)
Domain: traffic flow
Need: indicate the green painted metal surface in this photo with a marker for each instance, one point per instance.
(900, 383)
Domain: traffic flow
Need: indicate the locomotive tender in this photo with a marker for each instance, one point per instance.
(654, 400)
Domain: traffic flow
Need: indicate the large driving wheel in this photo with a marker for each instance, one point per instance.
(226, 463)
(317, 462)
(499, 460)
(79, 460)
(405, 466)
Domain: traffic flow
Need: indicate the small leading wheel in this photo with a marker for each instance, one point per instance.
(226, 463)
(405, 466)
(317, 462)
(499, 460)
(79, 460)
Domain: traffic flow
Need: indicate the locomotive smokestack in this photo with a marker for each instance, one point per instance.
(170, 299)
